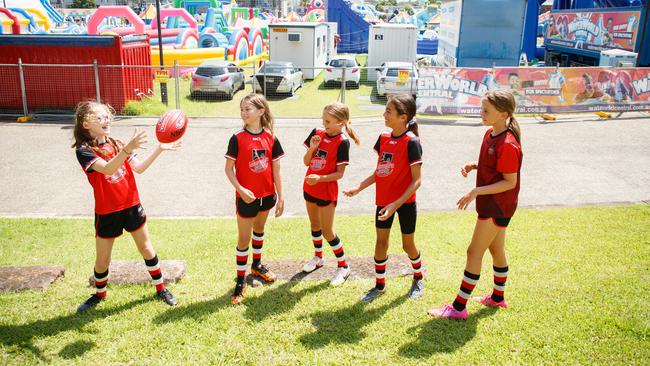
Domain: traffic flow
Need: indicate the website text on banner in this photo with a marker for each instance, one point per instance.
(537, 90)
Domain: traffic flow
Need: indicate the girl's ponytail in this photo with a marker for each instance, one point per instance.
(351, 133)
(413, 126)
(513, 126)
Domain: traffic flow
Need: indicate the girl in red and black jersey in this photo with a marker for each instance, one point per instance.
(327, 155)
(397, 177)
(496, 194)
(109, 167)
(253, 168)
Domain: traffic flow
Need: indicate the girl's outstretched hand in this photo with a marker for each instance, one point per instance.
(172, 146)
(386, 212)
(314, 141)
(464, 201)
(466, 169)
(246, 195)
(137, 141)
(279, 207)
(351, 192)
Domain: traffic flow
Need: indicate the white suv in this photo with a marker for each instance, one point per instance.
(389, 81)
(334, 71)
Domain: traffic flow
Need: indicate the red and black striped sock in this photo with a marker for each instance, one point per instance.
(242, 261)
(258, 241)
(317, 239)
(337, 247)
(466, 288)
(380, 273)
(417, 267)
(500, 277)
(153, 267)
(101, 281)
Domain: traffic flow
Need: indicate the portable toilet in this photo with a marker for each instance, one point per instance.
(304, 44)
(391, 42)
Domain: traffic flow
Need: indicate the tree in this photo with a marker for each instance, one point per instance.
(379, 7)
(409, 9)
(83, 4)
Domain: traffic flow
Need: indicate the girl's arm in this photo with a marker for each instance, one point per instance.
(140, 166)
(312, 179)
(416, 181)
(363, 185)
(313, 145)
(509, 182)
(277, 179)
(245, 194)
(111, 166)
(468, 167)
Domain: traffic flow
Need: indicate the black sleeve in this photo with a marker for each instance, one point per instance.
(377, 144)
(415, 151)
(233, 149)
(312, 133)
(277, 152)
(86, 158)
(343, 154)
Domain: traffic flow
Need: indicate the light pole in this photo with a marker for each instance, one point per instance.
(163, 85)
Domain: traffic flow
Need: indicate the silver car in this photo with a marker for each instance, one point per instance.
(397, 78)
(278, 77)
(217, 77)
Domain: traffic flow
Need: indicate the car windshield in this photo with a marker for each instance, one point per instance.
(395, 72)
(210, 71)
(274, 69)
(343, 63)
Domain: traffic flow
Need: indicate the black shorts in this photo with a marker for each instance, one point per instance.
(408, 214)
(110, 225)
(319, 202)
(498, 221)
(249, 210)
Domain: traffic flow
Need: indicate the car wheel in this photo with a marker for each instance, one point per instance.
(231, 93)
(243, 85)
(293, 89)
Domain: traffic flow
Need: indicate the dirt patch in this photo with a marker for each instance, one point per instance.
(132, 272)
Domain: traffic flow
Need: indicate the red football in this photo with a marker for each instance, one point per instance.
(171, 126)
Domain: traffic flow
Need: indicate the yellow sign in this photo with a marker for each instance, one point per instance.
(402, 76)
(162, 76)
(280, 30)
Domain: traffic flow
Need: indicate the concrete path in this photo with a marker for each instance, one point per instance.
(578, 161)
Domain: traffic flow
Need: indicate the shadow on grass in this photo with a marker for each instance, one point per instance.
(196, 311)
(345, 325)
(443, 335)
(24, 335)
(279, 299)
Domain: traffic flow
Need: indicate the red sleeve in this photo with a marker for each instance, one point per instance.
(508, 158)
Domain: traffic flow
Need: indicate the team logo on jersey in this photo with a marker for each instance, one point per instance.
(385, 166)
(259, 161)
(319, 160)
(117, 176)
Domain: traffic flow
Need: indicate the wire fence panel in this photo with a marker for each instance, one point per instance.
(57, 88)
(10, 93)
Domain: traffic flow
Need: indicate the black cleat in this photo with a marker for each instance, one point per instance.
(90, 303)
(167, 297)
(417, 288)
(371, 295)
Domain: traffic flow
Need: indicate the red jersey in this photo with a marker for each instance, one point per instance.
(253, 154)
(500, 154)
(393, 174)
(112, 193)
(331, 152)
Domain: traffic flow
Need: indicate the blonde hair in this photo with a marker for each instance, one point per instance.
(503, 101)
(341, 112)
(404, 104)
(83, 113)
(259, 102)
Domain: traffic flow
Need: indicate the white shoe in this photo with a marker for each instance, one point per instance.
(342, 274)
(313, 264)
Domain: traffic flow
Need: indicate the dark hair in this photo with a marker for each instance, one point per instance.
(404, 104)
(504, 101)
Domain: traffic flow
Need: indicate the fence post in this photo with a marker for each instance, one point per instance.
(343, 84)
(264, 85)
(177, 84)
(22, 86)
(96, 69)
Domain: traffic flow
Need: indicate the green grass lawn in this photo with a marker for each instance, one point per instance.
(578, 289)
(308, 102)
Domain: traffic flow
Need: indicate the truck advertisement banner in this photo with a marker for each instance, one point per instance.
(536, 90)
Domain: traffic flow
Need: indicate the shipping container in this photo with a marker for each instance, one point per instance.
(304, 44)
(391, 42)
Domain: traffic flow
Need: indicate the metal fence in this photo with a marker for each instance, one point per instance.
(199, 91)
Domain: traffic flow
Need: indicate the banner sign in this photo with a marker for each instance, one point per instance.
(594, 31)
(536, 90)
